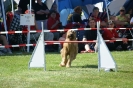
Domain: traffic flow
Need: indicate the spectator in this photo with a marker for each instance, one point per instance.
(23, 5)
(54, 7)
(113, 35)
(99, 16)
(4, 42)
(76, 15)
(130, 12)
(53, 24)
(90, 35)
(15, 26)
(41, 15)
(41, 12)
(123, 19)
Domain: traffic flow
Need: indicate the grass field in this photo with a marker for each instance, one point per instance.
(14, 72)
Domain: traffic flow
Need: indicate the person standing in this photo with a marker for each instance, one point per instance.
(23, 5)
(41, 13)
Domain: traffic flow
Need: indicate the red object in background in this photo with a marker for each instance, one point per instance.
(28, 11)
(51, 22)
(109, 34)
(9, 20)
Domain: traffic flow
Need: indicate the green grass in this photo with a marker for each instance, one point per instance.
(14, 72)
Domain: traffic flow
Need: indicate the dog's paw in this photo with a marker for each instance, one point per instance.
(62, 65)
(68, 66)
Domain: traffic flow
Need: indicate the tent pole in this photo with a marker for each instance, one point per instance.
(107, 10)
(12, 6)
(57, 5)
(28, 34)
(30, 6)
(4, 17)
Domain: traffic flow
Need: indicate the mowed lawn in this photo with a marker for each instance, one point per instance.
(14, 72)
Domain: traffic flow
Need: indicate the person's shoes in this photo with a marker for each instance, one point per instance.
(6, 51)
(129, 48)
(83, 52)
(1, 53)
(89, 51)
(119, 48)
(9, 52)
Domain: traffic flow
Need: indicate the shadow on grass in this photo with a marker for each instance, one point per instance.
(126, 71)
(26, 53)
(86, 66)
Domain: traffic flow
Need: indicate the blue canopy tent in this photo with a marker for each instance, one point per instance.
(63, 4)
(65, 7)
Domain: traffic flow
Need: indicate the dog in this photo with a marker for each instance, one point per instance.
(69, 50)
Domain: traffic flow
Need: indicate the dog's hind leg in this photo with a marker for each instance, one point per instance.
(69, 61)
(68, 64)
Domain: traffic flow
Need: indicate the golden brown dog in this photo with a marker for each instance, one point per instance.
(69, 50)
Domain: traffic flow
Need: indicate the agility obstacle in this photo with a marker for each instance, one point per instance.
(60, 42)
(102, 61)
(61, 30)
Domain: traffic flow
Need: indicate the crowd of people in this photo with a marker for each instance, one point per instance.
(51, 21)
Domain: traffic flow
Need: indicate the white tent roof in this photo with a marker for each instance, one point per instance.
(115, 5)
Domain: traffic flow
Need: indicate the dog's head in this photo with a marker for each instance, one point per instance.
(71, 35)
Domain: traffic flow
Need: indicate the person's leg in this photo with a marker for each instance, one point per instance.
(3, 39)
(124, 46)
(38, 23)
(56, 35)
(111, 46)
(45, 24)
(96, 47)
(34, 36)
(48, 36)
(5, 42)
(87, 47)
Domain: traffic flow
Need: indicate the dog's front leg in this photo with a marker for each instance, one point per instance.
(64, 61)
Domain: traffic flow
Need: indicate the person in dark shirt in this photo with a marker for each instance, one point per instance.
(90, 35)
(23, 5)
(41, 13)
